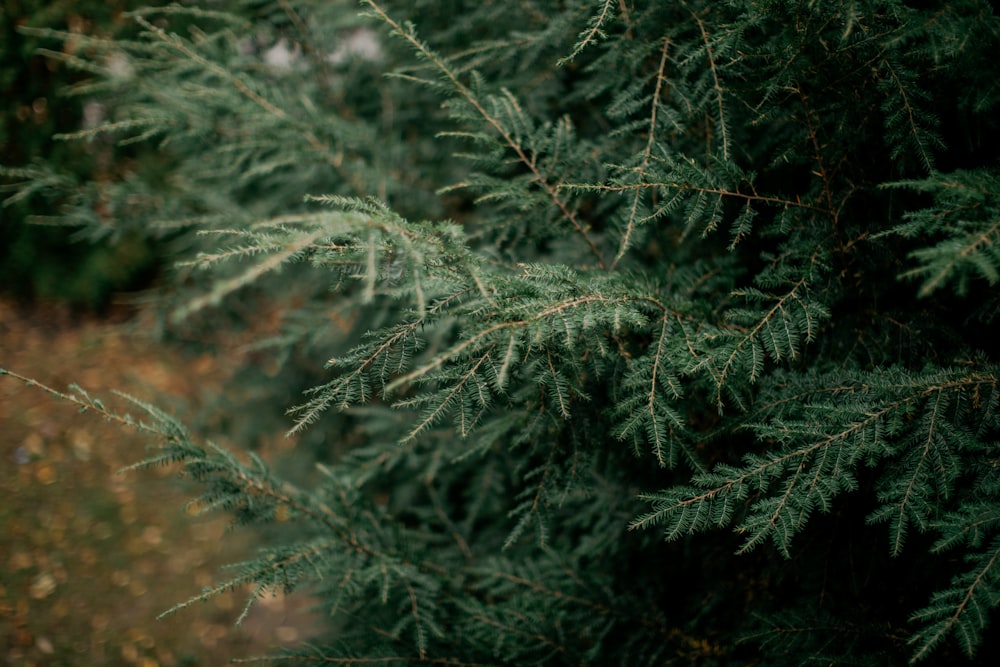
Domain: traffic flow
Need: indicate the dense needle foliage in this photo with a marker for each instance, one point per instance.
(656, 332)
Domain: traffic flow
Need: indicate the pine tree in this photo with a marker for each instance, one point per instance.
(655, 332)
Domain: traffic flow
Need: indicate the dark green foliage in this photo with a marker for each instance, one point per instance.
(37, 261)
(655, 332)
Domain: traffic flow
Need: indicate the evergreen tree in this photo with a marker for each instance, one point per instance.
(655, 332)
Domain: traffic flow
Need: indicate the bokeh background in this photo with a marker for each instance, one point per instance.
(89, 557)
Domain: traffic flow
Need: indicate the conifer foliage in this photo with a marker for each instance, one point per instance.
(672, 336)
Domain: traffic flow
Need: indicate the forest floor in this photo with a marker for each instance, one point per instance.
(89, 557)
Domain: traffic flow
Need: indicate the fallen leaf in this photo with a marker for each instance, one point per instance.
(42, 586)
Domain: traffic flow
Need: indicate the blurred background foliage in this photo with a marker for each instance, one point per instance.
(40, 262)
(87, 557)
(112, 254)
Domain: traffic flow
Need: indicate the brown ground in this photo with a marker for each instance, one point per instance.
(88, 558)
